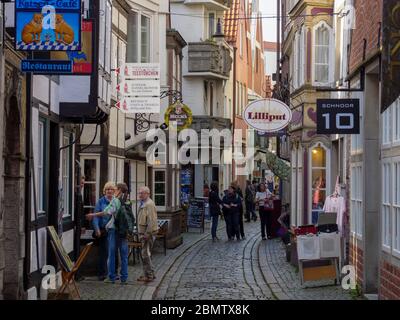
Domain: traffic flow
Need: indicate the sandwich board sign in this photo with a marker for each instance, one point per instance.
(48, 25)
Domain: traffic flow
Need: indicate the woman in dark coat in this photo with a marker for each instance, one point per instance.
(231, 209)
(214, 202)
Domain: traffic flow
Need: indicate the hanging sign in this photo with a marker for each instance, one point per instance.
(48, 25)
(139, 88)
(179, 113)
(390, 53)
(338, 116)
(267, 115)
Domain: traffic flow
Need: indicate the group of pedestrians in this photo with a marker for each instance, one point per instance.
(113, 221)
(257, 197)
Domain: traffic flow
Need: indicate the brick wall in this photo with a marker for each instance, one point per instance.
(389, 282)
(356, 258)
(368, 18)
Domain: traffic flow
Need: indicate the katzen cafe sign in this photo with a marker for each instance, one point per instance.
(267, 115)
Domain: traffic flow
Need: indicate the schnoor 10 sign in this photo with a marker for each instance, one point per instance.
(267, 115)
(48, 25)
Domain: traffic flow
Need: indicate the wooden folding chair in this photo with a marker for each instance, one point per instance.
(68, 268)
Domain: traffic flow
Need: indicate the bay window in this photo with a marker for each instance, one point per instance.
(323, 53)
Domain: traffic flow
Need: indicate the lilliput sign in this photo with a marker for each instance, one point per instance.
(267, 115)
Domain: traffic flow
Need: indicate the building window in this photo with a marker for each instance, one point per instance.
(91, 187)
(159, 185)
(145, 39)
(396, 122)
(387, 126)
(139, 40)
(322, 54)
(386, 204)
(211, 24)
(320, 180)
(356, 199)
(41, 191)
(396, 206)
(66, 170)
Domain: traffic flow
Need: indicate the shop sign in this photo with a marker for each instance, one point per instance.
(83, 59)
(390, 53)
(267, 115)
(179, 113)
(139, 87)
(338, 116)
(46, 66)
(48, 25)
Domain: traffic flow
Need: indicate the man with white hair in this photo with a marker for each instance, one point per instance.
(147, 229)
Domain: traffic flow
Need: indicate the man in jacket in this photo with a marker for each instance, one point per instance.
(147, 229)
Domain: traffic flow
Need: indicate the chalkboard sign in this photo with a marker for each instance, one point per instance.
(196, 212)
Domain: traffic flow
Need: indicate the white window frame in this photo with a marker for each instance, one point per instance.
(396, 207)
(331, 51)
(396, 122)
(160, 208)
(356, 197)
(66, 175)
(386, 203)
(138, 45)
(209, 34)
(84, 157)
(327, 168)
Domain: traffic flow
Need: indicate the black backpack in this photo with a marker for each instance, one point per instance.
(125, 220)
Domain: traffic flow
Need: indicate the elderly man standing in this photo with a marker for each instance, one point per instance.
(147, 228)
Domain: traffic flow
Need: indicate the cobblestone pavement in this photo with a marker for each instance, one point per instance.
(200, 269)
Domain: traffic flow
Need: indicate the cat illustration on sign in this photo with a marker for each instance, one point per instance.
(33, 29)
(64, 32)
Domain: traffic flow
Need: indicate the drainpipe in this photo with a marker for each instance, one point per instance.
(234, 106)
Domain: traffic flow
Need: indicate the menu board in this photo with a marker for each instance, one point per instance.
(196, 212)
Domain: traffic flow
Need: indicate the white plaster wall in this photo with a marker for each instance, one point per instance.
(74, 88)
(41, 88)
(193, 94)
(88, 134)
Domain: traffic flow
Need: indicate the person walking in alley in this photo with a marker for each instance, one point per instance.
(231, 208)
(241, 209)
(264, 198)
(115, 242)
(215, 210)
(147, 228)
(250, 195)
(99, 225)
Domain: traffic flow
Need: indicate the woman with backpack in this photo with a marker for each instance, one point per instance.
(117, 238)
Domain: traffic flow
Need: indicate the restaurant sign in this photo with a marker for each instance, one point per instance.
(48, 25)
(390, 53)
(267, 115)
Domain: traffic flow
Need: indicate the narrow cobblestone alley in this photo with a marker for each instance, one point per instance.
(200, 269)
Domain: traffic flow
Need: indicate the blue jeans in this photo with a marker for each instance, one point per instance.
(115, 242)
(214, 226)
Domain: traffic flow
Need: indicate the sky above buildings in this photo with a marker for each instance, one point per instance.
(268, 8)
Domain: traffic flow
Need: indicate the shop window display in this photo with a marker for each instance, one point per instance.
(319, 178)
